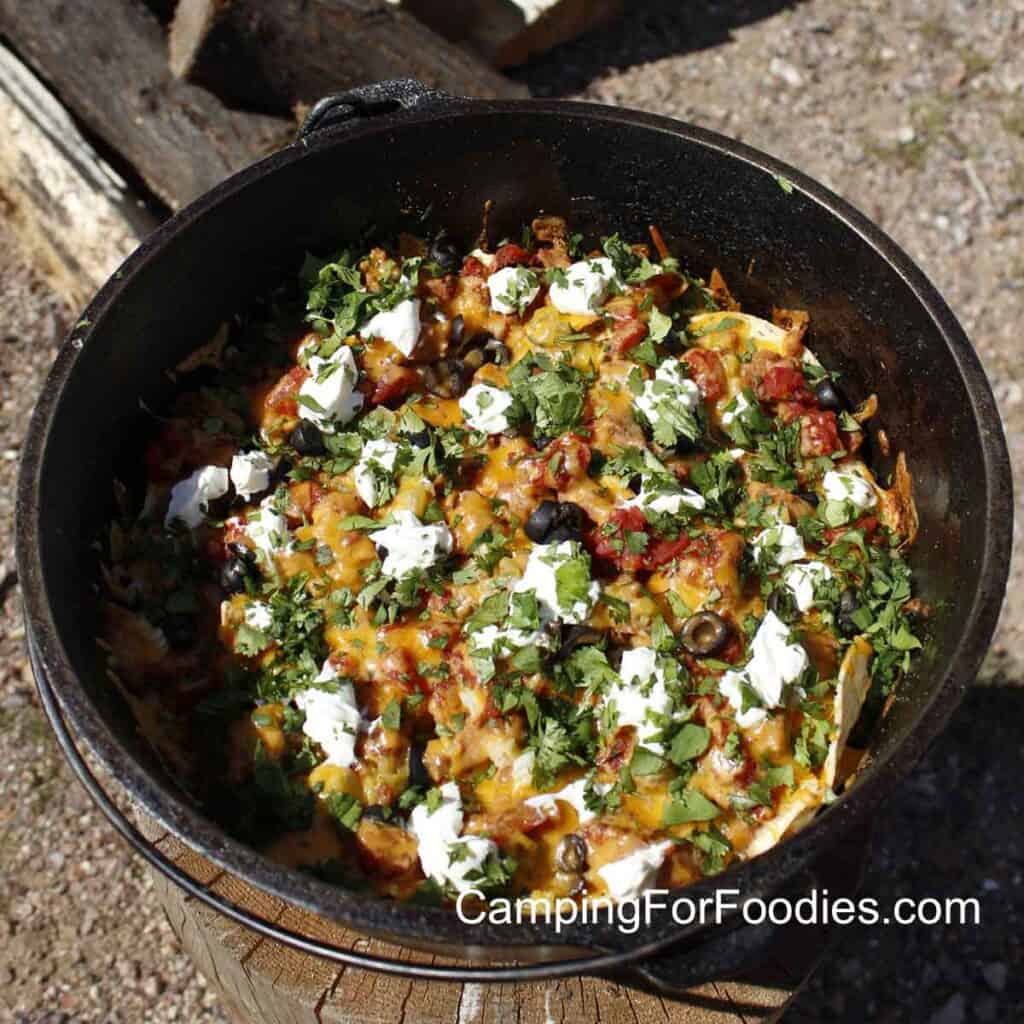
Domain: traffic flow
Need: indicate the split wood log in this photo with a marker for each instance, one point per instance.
(71, 214)
(262, 982)
(275, 54)
(509, 32)
(108, 64)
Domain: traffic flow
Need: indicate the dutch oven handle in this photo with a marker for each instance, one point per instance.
(369, 101)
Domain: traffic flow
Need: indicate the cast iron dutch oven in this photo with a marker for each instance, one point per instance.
(378, 155)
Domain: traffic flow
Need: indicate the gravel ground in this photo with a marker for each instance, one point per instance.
(913, 110)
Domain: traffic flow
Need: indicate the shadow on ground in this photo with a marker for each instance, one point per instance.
(952, 830)
(650, 30)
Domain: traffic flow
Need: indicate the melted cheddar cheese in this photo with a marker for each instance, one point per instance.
(579, 584)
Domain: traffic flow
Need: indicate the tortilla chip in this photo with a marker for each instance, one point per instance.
(206, 355)
(854, 683)
(720, 290)
(795, 323)
(795, 810)
(896, 505)
(867, 409)
(744, 328)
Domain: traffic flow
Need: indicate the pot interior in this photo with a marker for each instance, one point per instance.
(606, 174)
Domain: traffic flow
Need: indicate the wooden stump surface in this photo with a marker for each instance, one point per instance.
(262, 982)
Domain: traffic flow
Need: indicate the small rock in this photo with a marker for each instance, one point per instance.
(951, 1013)
(152, 986)
(783, 69)
(986, 1009)
(995, 975)
(128, 971)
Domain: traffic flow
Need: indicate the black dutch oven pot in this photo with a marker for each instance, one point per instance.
(373, 157)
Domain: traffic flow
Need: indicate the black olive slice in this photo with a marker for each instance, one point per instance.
(571, 854)
(447, 378)
(307, 439)
(828, 398)
(705, 633)
(418, 774)
(576, 637)
(555, 521)
(445, 255)
(848, 605)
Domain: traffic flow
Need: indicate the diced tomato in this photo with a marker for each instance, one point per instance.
(472, 267)
(707, 370)
(609, 543)
(789, 411)
(234, 532)
(563, 462)
(785, 382)
(619, 751)
(395, 383)
(667, 283)
(282, 396)
(869, 524)
(511, 255)
(819, 434)
(661, 552)
(627, 335)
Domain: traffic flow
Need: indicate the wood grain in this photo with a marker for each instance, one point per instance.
(273, 55)
(70, 212)
(262, 982)
(111, 71)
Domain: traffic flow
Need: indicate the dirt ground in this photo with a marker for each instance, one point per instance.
(913, 110)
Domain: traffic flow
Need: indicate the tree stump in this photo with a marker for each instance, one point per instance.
(262, 982)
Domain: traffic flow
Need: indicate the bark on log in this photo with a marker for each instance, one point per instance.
(108, 64)
(71, 214)
(274, 54)
(509, 32)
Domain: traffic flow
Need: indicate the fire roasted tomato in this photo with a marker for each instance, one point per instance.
(282, 395)
(661, 552)
(511, 255)
(785, 383)
(627, 335)
(867, 524)
(472, 267)
(608, 542)
(395, 383)
(707, 370)
(819, 434)
(627, 543)
(563, 462)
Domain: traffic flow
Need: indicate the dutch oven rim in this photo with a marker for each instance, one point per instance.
(401, 921)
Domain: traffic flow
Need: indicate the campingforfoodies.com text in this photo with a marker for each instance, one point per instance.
(814, 908)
